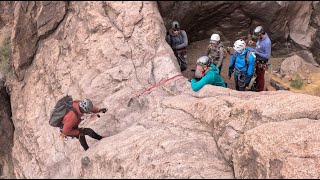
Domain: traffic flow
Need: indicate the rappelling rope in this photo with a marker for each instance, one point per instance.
(159, 84)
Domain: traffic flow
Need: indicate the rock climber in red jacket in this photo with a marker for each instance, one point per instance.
(71, 121)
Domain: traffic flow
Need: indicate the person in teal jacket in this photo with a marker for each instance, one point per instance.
(210, 74)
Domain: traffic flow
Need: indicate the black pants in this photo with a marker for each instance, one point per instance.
(236, 82)
(82, 138)
(89, 132)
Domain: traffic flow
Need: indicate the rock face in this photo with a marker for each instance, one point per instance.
(32, 21)
(291, 26)
(6, 13)
(111, 52)
(279, 150)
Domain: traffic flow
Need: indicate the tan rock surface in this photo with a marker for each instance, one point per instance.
(122, 64)
(111, 52)
(32, 21)
(288, 150)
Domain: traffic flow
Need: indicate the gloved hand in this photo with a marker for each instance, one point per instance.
(103, 110)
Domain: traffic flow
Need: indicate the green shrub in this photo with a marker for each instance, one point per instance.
(296, 82)
(5, 57)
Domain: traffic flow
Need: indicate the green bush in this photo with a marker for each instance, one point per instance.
(5, 57)
(296, 82)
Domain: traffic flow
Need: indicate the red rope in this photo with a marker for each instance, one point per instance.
(161, 83)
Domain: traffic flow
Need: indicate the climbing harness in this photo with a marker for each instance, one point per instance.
(252, 81)
(242, 80)
(182, 61)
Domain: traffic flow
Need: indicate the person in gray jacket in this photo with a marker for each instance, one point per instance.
(178, 40)
(215, 51)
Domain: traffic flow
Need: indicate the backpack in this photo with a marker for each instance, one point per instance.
(62, 107)
(224, 50)
(246, 58)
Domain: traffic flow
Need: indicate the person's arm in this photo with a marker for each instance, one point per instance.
(185, 40)
(221, 56)
(251, 64)
(168, 39)
(70, 122)
(267, 49)
(231, 65)
(232, 61)
(97, 110)
(196, 86)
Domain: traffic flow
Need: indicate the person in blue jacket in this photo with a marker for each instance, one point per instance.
(243, 62)
(210, 74)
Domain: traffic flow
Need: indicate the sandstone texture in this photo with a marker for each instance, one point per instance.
(111, 52)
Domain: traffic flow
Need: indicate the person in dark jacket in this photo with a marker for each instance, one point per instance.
(71, 122)
(178, 40)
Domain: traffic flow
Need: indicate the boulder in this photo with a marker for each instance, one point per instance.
(286, 150)
(295, 64)
(308, 57)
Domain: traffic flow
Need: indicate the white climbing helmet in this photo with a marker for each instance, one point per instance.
(86, 105)
(215, 37)
(239, 45)
(203, 61)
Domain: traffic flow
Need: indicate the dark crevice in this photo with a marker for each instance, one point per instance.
(6, 135)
